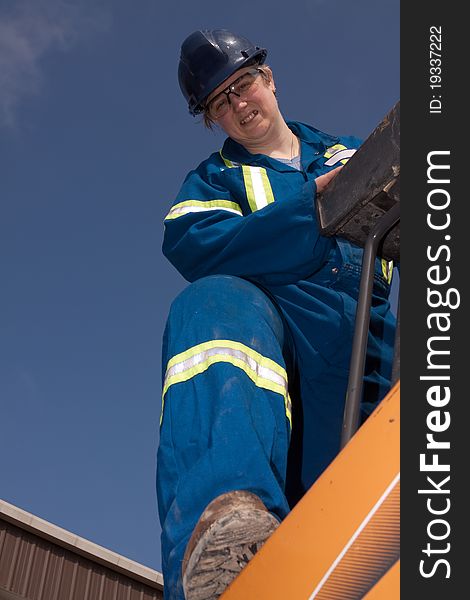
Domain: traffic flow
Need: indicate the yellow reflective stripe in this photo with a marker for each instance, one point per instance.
(387, 269)
(333, 149)
(288, 408)
(250, 193)
(191, 206)
(203, 365)
(228, 163)
(264, 372)
(256, 356)
(258, 188)
(268, 191)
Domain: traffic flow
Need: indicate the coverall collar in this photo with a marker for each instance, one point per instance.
(313, 145)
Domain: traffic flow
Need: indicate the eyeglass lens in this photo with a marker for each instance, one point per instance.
(219, 105)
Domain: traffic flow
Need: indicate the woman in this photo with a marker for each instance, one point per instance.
(257, 348)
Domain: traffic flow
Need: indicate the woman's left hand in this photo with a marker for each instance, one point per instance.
(323, 180)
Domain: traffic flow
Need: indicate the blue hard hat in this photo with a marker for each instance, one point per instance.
(208, 57)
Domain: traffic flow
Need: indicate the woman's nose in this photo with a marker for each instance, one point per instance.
(238, 103)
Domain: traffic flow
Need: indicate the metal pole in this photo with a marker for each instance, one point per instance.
(359, 347)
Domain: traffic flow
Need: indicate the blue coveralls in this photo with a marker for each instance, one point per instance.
(256, 351)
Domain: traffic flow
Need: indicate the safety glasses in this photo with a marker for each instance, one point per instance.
(242, 87)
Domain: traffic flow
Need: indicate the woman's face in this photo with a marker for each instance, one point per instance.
(249, 120)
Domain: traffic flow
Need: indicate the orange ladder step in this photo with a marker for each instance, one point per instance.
(343, 536)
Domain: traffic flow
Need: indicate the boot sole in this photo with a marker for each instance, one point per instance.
(223, 550)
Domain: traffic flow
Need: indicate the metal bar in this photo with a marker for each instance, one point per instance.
(359, 348)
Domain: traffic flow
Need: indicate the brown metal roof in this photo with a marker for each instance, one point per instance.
(40, 561)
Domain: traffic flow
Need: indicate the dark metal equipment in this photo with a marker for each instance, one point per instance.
(367, 188)
(362, 205)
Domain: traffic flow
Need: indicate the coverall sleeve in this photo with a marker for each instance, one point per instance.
(276, 245)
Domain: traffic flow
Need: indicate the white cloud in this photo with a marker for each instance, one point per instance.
(29, 29)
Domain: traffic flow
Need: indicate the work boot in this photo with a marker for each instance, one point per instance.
(232, 528)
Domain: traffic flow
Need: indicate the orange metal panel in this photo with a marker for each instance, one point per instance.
(344, 531)
(388, 588)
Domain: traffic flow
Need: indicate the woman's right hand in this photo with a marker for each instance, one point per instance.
(323, 180)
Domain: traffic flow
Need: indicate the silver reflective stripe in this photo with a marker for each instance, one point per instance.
(258, 188)
(263, 371)
(340, 156)
(195, 206)
(201, 357)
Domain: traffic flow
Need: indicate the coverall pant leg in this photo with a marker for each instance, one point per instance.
(225, 422)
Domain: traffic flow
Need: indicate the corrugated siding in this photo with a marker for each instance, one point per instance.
(36, 569)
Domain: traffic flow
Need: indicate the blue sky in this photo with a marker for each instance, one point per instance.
(95, 140)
